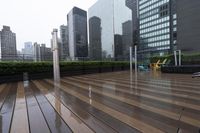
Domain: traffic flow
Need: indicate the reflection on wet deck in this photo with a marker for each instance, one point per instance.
(108, 102)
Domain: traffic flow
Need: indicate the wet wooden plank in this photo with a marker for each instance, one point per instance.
(55, 122)
(2, 86)
(150, 118)
(79, 108)
(139, 125)
(170, 101)
(4, 94)
(37, 121)
(20, 112)
(71, 119)
(7, 109)
(127, 84)
(124, 97)
(165, 120)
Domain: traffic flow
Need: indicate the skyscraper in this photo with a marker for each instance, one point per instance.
(133, 5)
(27, 51)
(77, 29)
(8, 50)
(118, 47)
(42, 53)
(112, 14)
(127, 37)
(155, 27)
(188, 26)
(95, 46)
(36, 50)
(64, 48)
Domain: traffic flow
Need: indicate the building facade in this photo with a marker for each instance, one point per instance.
(188, 26)
(127, 38)
(27, 51)
(42, 53)
(133, 5)
(95, 45)
(154, 27)
(77, 29)
(112, 14)
(64, 48)
(118, 47)
(8, 50)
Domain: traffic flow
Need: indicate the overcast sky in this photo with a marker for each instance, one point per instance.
(33, 20)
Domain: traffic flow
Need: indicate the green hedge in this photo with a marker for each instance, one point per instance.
(13, 68)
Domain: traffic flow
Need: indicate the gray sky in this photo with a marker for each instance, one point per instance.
(33, 20)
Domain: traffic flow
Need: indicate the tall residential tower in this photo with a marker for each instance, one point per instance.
(8, 50)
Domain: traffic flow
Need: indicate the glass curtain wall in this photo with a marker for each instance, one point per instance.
(112, 14)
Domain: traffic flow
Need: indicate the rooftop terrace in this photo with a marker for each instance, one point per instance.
(107, 102)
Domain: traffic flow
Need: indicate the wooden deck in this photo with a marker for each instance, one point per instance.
(103, 103)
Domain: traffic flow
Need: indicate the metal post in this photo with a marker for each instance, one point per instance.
(179, 57)
(175, 57)
(56, 66)
(135, 58)
(131, 60)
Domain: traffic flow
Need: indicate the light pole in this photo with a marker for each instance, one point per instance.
(135, 58)
(177, 61)
(56, 66)
(131, 60)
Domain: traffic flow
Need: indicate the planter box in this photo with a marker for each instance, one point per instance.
(11, 78)
(181, 69)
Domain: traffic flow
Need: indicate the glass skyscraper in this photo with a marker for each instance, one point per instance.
(112, 14)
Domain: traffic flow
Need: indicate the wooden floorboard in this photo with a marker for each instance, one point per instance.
(55, 122)
(20, 108)
(149, 102)
(100, 122)
(37, 122)
(76, 124)
(7, 110)
(173, 121)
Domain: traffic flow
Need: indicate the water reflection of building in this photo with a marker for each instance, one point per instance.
(112, 14)
(95, 46)
(77, 29)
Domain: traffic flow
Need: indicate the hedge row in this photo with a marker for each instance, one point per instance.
(14, 68)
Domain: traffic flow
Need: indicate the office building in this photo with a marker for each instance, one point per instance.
(8, 50)
(118, 47)
(36, 50)
(188, 26)
(42, 53)
(95, 45)
(77, 29)
(27, 51)
(133, 6)
(155, 28)
(64, 47)
(112, 14)
(127, 38)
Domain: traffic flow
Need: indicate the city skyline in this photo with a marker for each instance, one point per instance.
(33, 20)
